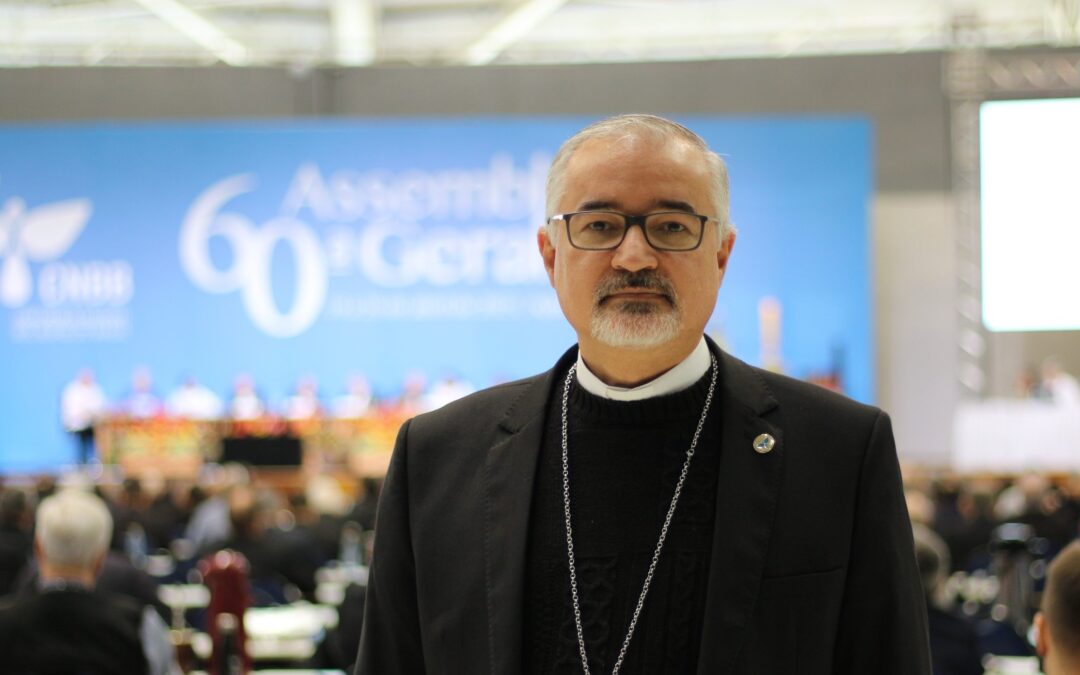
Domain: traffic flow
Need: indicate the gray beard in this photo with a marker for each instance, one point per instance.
(635, 325)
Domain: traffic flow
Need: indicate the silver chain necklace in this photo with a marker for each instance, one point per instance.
(663, 530)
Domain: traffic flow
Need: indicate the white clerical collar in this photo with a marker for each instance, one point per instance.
(682, 376)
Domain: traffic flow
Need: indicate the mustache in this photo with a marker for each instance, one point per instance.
(643, 280)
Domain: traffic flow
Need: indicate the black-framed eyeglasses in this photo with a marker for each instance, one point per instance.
(605, 230)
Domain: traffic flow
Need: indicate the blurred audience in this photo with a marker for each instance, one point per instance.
(282, 556)
(954, 642)
(287, 536)
(339, 648)
(16, 538)
(210, 523)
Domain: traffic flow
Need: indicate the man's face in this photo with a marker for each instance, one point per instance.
(635, 296)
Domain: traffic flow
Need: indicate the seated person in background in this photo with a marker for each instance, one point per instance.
(357, 400)
(163, 517)
(16, 542)
(246, 403)
(209, 523)
(194, 401)
(296, 538)
(69, 627)
(338, 649)
(304, 403)
(1057, 626)
(142, 403)
(275, 559)
(1062, 388)
(954, 642)
(447, 390)
(326, 508)
(118, 574)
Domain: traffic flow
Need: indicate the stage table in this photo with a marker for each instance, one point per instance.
(1015, 436)
(178, 448)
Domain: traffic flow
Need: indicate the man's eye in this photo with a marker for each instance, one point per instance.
(672, 227)
(598, 226)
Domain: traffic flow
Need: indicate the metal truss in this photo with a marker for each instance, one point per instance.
(972, 76)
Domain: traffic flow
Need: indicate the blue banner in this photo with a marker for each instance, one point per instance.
(324, 249)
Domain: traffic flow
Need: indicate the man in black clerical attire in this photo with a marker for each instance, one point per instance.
(651, 504)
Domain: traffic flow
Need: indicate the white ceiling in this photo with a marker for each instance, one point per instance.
(307, 33)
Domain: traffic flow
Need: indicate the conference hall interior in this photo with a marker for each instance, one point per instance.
(243, 242)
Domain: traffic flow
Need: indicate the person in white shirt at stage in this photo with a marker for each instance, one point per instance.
(82, 404)
(245, 403)
(142, 403)
(356, 402)
(1063, 388)
(304, 403)
(194, 401)
(447, 390)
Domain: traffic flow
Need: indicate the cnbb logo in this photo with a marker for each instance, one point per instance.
(251, 251)
(43, 234)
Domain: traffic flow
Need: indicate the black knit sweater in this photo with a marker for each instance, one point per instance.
(625, 459)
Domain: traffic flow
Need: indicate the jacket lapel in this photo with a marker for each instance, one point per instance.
(509, 471)
(745, 507)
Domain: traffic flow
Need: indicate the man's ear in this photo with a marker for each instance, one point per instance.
(1042, 636)
(99, 562)
(547, 252)
(723, 253)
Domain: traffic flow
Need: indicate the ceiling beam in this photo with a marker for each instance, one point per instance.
(514, 26)
(199, 29)
(354, 25)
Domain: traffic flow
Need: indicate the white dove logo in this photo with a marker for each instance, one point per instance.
(40, 234)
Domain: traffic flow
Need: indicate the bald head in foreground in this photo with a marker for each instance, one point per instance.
(651, 504)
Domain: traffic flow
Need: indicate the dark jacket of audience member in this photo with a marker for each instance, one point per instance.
(118, 577)
(16, 540)
(954, 642)
(339, 648)
(69, 630)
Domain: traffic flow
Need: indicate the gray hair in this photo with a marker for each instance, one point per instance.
(73, 528)
(639, 125)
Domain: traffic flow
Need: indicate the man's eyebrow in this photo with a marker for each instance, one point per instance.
(676, 205)
(606, 204)
(598, 204)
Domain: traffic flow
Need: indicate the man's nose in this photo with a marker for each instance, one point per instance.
(634, 253)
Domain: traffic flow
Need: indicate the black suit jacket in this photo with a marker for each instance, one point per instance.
(71, 631)
(812, 569)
